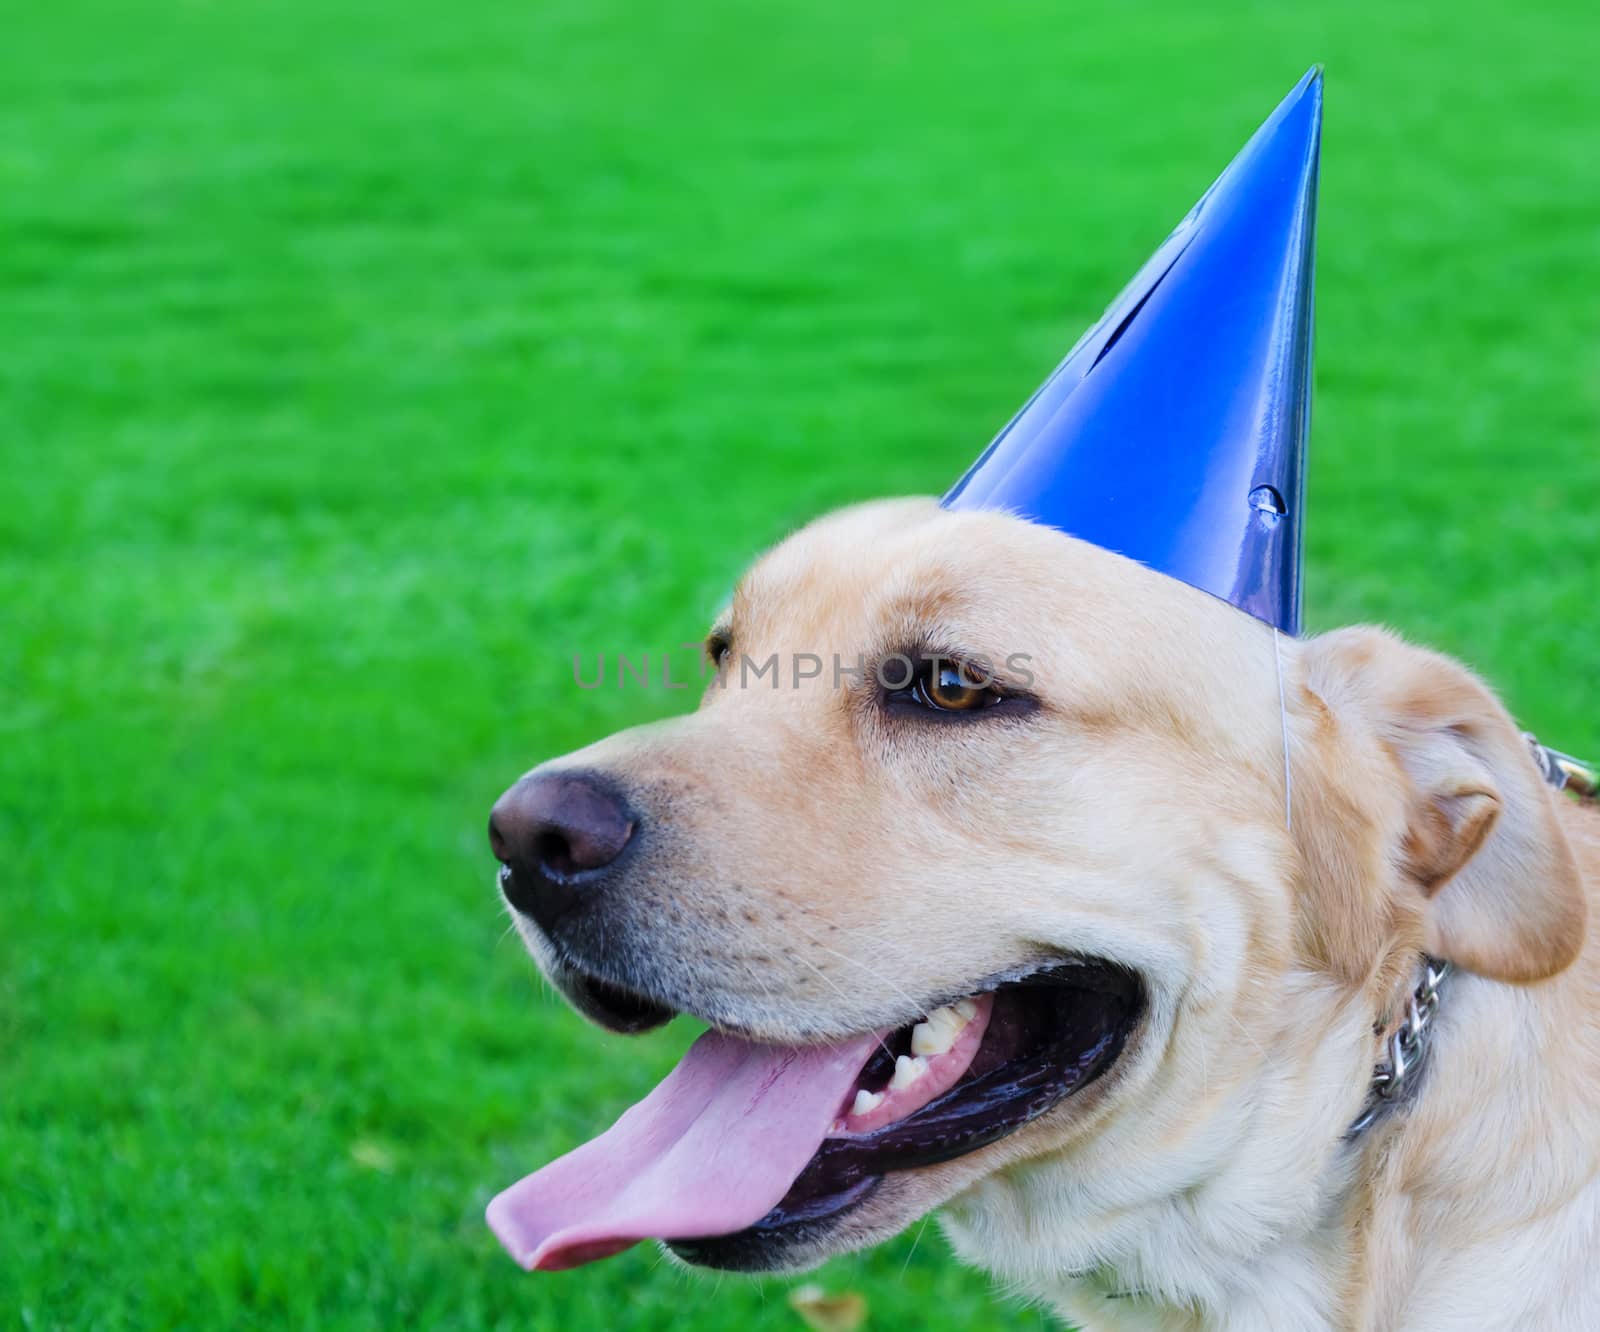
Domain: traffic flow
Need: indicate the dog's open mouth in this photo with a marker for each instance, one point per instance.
(745, 1146)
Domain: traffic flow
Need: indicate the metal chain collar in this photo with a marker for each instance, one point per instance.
(1564, 772)
(1406, 1048)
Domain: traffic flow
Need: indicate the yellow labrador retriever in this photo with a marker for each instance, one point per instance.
(1079, 905)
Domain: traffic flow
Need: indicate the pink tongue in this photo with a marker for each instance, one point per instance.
(709, 1151)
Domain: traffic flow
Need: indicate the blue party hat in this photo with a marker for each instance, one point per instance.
(1175, 431)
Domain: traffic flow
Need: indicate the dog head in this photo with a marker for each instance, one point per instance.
(982, 858)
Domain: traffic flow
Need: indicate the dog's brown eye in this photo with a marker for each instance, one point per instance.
(947, 688)
(717, 648)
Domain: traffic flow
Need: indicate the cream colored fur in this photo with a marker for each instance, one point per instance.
(821, 868)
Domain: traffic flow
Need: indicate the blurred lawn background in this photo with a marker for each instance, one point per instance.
(361, 362)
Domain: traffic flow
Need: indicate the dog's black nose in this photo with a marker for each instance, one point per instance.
(557, 833)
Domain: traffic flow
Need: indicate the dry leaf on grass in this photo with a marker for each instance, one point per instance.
(823, 1312)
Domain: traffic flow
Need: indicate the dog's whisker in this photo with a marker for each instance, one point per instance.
(752, 942)
(837, 989)
(745, 935)
(912, 1251)
(880, 943)
(915, 1004)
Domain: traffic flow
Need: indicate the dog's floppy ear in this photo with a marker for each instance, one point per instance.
(1472, 829)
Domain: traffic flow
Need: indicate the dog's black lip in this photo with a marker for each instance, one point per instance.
(624, 1011)
(1084, 970)
(614, 1005)
(847, 1170)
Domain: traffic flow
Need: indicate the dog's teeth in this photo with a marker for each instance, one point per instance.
(967, 1008)
(906, 1071)
(866, 1102)
(938, 1031)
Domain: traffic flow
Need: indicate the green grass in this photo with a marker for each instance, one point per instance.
(363, 360)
